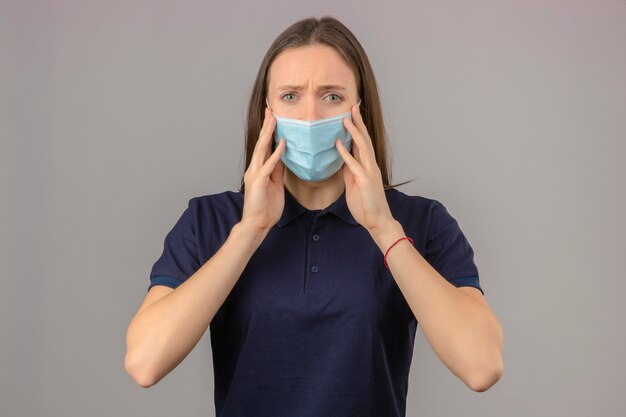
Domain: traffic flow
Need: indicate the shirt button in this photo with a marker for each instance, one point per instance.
(314, 268)
(316, 237)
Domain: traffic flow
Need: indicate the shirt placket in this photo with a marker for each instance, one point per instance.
(312, 268)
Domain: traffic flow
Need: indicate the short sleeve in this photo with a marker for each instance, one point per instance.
(448, 250)
(179, 259)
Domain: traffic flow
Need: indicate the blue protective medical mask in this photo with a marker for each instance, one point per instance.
(310, 152)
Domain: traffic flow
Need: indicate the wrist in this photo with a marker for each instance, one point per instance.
(252, 232)
(387, 233)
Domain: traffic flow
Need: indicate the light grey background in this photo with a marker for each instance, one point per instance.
(114, 114)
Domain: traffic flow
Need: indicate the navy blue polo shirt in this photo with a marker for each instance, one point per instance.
(316, 325)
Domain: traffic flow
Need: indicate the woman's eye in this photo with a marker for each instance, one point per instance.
(336, 95)
(337, 100)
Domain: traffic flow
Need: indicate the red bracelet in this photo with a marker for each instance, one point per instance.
(385, 257)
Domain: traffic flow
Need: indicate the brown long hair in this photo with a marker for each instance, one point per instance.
(325, 31)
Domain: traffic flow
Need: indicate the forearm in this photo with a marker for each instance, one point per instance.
(464, 333)
(164, 333)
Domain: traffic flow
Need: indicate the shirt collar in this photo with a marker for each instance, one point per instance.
(294, 209)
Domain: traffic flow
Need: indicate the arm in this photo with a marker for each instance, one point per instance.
(163, 332)
(459, 325)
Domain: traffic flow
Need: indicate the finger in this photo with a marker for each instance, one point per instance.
(254, 160)
(366, 151)
(268, 141)
(355, 151)
(262, 147)
(348, 176)
(357, 120)
(352, 163)
(266, 120)
(269, 165)
(277, 174)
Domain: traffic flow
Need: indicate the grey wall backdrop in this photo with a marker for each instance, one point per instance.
(114, 114)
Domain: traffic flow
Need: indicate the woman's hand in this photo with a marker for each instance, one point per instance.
(264, 195)
(365, 194)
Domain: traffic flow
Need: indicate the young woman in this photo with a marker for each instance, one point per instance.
(314, 275)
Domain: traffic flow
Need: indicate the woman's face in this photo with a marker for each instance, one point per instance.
(311, 82)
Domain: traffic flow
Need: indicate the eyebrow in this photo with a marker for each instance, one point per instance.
(321, 87)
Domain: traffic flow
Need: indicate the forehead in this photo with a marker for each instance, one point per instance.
(313, 63)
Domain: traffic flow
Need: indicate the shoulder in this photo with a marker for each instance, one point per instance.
(212, 216)
(409, 207)
(418, 214)
(223, 201)
(215, 214)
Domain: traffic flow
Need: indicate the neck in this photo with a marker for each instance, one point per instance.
(314, 195)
